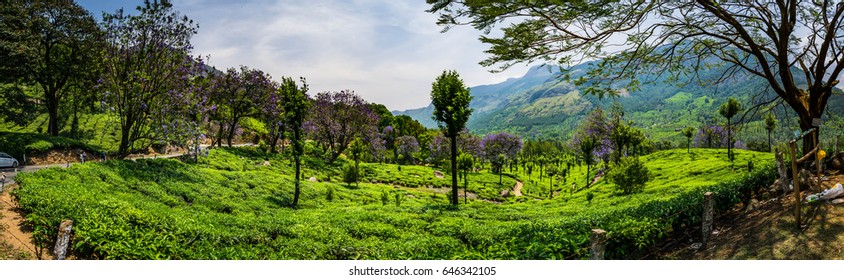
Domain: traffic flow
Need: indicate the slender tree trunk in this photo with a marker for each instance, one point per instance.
(454, 170)
(729, 141)
(689, 145)
(297, 152)
(220, 135)
(230, 135)
(588, 167)
(770, 148)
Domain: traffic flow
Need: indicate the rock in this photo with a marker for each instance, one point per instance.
(505, 193)
(438, 174)
(313, 179)
(752, 205)
(838, 201)
(696, 246)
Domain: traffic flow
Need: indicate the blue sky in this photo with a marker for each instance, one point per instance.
(387, 51)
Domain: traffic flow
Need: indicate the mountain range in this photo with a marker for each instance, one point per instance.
(542, 104)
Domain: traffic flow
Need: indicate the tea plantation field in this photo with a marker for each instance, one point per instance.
(233, 205)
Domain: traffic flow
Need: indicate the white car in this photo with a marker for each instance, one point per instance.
(7, 161)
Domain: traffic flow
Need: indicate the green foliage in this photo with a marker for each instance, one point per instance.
(451, 103)
(729, 109)
(629, 176)
(230, 206)
(329, 195)
(385, 198)
(350, 174)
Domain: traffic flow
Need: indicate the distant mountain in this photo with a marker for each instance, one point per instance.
(541, 104)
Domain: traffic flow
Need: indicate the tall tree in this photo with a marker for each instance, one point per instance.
(780, 41)
(296, 104)
(688, 133)
(729, 110)
(52, 43)
(770, 125)
(148, 66)
(451, 112)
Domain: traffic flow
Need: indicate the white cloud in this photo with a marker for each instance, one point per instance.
(389, 52)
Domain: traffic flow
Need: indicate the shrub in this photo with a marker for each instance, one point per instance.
(329, 194)
(629, 175)
(385, 198)
(350, 174)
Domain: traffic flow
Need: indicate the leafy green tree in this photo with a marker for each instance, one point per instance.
(53, 44)
(586, 145)
(295, 101)
(529, 168)
(357, 148)
(729, 109)
(629, 176)
(465, 162)
(779, 41)
(451, 112)
(689, 132)
(551, 171)
(770, 125)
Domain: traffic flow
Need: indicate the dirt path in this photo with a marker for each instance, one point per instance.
(517, 190)
(12, 224)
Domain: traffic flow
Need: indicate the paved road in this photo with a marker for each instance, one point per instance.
(12, 172)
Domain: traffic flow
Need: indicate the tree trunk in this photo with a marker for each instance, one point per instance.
(588, 167)
(297, 152)
(230, 135)
(454, 170)
(806, 124)
(220, 135)
(123, 149)
(53, 113)
(769, 141)
(729, 141)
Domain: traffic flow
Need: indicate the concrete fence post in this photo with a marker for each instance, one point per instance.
(708, 216)
(598, 239)
(63, 239)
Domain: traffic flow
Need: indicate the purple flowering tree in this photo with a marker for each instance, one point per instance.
(711, 136)
(439, 146)
(501, 143)
(406, 147)
(148, 66)
(236, 94)
(337, 118)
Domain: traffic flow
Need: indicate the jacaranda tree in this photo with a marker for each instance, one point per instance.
(148, 65)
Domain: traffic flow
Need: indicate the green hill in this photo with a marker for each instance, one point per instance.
(234, 206)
